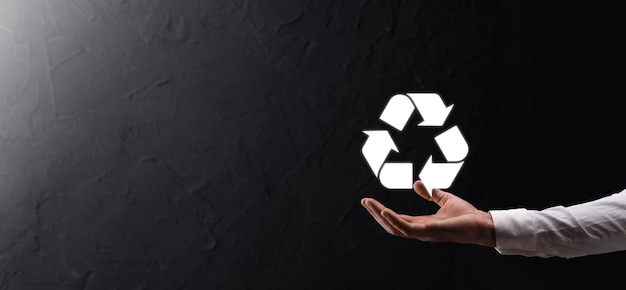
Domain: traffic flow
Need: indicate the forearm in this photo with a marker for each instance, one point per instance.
(594, 227)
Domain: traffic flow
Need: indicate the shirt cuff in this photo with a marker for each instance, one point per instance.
(515, 231)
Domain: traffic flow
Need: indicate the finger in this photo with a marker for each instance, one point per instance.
(375, 213)
(438, 196)
(416, 219)
(407, 218)
(384, 224)
(421, 190)
(397, 222)
(374, 208)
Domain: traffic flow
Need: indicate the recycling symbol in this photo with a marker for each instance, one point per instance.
(399, 175)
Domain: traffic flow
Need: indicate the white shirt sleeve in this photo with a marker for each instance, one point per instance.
(589, 228)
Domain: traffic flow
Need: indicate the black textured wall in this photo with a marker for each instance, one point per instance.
(217, 144)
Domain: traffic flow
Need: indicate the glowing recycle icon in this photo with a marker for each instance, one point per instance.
(395, 175)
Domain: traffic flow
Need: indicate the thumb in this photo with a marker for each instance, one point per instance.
(420, 189)
(438, 196)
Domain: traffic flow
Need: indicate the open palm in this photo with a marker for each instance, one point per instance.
(456, 220)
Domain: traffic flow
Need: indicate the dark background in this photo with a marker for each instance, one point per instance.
(217, 144)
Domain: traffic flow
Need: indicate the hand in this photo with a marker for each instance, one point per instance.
(456, 220)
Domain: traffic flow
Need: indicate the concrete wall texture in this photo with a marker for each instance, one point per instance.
(217, 144)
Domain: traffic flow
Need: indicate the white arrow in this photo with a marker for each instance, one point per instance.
(376, 148)
(431, 108)
(397, 175)
(398, 111)
(452, 144)
(439, 175)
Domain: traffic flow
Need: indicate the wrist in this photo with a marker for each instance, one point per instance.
(488, 234)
